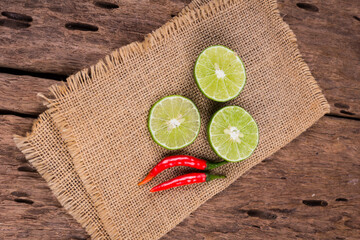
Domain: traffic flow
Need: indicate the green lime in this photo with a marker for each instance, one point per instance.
(174, 122)
(219, 73)
(233, 134)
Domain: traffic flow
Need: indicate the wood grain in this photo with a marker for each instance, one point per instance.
(328, 38)
(66, 36)
(266, 203)
(307, 190)
(18, 93)
(28, 209)
(319, 167)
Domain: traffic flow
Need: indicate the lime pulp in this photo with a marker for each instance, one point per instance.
(174, 122)
(219, 73)
(233, 134)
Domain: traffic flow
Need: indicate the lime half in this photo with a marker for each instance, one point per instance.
(233, 134)
(219, 73)
(174, 122)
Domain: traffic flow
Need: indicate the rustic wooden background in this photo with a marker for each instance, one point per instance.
(310, 189)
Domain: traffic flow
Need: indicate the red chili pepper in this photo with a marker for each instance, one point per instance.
(180, 160)
(186, 179)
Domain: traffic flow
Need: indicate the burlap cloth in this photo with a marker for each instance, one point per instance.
(92, 146)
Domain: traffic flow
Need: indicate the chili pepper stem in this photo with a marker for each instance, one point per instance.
(210, 165)
(146, 179)
(210, 177)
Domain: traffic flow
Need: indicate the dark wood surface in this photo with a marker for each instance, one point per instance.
(310, 189)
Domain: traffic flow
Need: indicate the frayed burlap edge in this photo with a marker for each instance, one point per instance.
(187, 17)
(85, 77)
(25, 146)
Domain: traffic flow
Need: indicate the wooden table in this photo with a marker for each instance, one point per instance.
(310, 189)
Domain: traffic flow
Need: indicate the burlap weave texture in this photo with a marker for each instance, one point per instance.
(47, 152)
(102, 113)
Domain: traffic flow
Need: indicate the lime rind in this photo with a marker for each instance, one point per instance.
(189, 127)
(229, 81)
(247, 119)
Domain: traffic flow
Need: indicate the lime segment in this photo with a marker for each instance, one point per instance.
(219, 73)
(233, 134)
(174, 122)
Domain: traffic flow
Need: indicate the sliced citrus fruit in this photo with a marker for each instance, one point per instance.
(174, 122)
(233, 134)
(219, 73)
